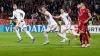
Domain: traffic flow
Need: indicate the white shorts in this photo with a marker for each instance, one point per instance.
(68, 26)
(65, 27)
(22, 25)
(53, 28)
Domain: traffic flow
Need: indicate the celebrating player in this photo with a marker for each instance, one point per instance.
(52, 26)
(19, 15)
(84, 16)
(67, 24)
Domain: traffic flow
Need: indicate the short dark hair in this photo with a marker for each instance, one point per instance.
(63, 9)
(44, 6)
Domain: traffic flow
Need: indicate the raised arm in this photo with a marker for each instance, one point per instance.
(56, 16)
(43, 13)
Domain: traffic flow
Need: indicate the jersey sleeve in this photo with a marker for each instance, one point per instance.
(60, 16)
(48, 14)
(68, 17)
(67, 14)
(13, 15)
(22, 14)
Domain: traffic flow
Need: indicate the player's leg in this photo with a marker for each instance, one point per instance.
(87, 41)
(51, 28)
(88, 34)
(80, 39)
(63, 34)
(83, 38)
(87, 37)
(84, 35)
(73, 33)
(17, 32)
(46, 36)
(79, 29)
(29, 34)
(24, 27)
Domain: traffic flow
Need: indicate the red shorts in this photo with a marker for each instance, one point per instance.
(83, 27)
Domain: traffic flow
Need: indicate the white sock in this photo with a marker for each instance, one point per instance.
(28, 33)
(64, 37)
(64, 34)
(18, 34)
(75, 33)
(46, 36)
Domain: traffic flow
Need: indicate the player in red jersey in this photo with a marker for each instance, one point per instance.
(84, 16)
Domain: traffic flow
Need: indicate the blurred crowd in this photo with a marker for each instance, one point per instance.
(31, 8)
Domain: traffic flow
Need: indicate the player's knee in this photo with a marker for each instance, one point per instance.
(15, 29)
(45, 32)
(24, 29)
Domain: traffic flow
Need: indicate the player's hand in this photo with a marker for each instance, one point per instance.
(85, 21)
(9, 18)
(14, 20)
(39, 11)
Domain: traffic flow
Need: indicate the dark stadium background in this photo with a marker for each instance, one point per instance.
(31, 9)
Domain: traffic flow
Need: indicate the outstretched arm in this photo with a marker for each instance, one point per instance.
(56, 17)
(43, 13)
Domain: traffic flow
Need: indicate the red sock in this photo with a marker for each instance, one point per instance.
(83, 38)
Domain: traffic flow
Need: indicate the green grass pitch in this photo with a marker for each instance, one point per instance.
(10, 47)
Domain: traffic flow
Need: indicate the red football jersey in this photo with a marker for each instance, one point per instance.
(83, 15)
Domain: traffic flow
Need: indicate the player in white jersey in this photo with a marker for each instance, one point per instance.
(67, 24)
(19, 15)
(52, 26)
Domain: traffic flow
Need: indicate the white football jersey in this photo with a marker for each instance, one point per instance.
(50, 19)
(65, 17)
(18, 14)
